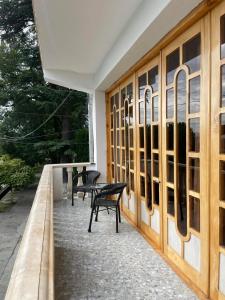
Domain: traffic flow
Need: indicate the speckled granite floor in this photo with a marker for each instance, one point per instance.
(106, 265)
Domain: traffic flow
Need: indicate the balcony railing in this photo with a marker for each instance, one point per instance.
(33, 272)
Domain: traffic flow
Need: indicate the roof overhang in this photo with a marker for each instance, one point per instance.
(88, 44)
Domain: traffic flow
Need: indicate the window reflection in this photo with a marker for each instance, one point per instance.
(141, 112)
(222, 37)
(222, 133)
(141, 137)
(169, 103)
(170, 201)
(155, 165)
(194, 134)
(222, 84)
(153, 78)
(181, 153)
(194, 100)
(142, 162)
(148, 106)
(222, 227)
(155, 137)
(156, 192)
(222, 180)
(195, 213)
(191, 53)
(172, 62)
(142, 183)
(170, 168)
(194, 174)
(142, 81)
(155, 101)
(169, 136)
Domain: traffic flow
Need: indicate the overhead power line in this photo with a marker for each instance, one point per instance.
(43, 123)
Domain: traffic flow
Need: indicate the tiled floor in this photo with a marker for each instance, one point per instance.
(106, 265)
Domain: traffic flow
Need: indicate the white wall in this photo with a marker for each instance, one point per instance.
(99, 133)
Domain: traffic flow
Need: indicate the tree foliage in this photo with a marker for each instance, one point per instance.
(26, 100)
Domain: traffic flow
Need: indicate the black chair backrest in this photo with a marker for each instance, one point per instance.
(88, 177)
(111, 190)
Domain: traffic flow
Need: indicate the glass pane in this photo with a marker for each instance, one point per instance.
(118, 156)
(123, 96)
(131, 138)
(170, 103)
(169, 136)
(195, 213)
(112, 154)
(141, 137)
(170, 201)
(118, 138)
(222, 133)
(222, 36)
(148, 106)
(122, 118)
(155, 165)
(131, 160)
(117, 100)
(192, 52)
(118, 119)
(156, 192)
(122, 137)
(222, 180)
(153, 79)
(155, 137)
(141, 112)
(142, 81)
(194, 101)
(172, 63)
(112, 170)
(155, 108)
(118, 173)
(148, 141)
(194, 175)
(181, 153)
(112, 139)
(170, 168)
(130, 92)
(131, 119)
(149, 183)
(132, 181)
(112, 103)
(111, 121)
(222, 84)
(142, 162)
(222, 227)
(123, 157)
(142, 182)
(194, 134)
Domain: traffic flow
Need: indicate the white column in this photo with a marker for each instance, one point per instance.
(99, 133)
(57, 183)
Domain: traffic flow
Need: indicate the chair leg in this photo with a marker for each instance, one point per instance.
(117, 220)
(92, 197)
(92, 212)
(107, 210)
(84, 196)
(72, 199)
(96, 216)
(119, 214)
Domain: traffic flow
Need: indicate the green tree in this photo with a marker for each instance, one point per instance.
(26, 100)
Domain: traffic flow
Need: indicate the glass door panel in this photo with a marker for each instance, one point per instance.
(149, 151)
(184, 132)
(217, 279)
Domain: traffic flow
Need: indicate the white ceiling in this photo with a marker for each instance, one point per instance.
(88, 44)
(80, 32)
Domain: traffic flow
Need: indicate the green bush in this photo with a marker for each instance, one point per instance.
(15, 172)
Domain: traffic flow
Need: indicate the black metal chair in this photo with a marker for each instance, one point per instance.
(104, 199)
(89, 178)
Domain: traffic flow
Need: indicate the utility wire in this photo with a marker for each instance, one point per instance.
(42, 124)
(43, 135)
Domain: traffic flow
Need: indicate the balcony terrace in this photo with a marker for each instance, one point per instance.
(59, 259)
